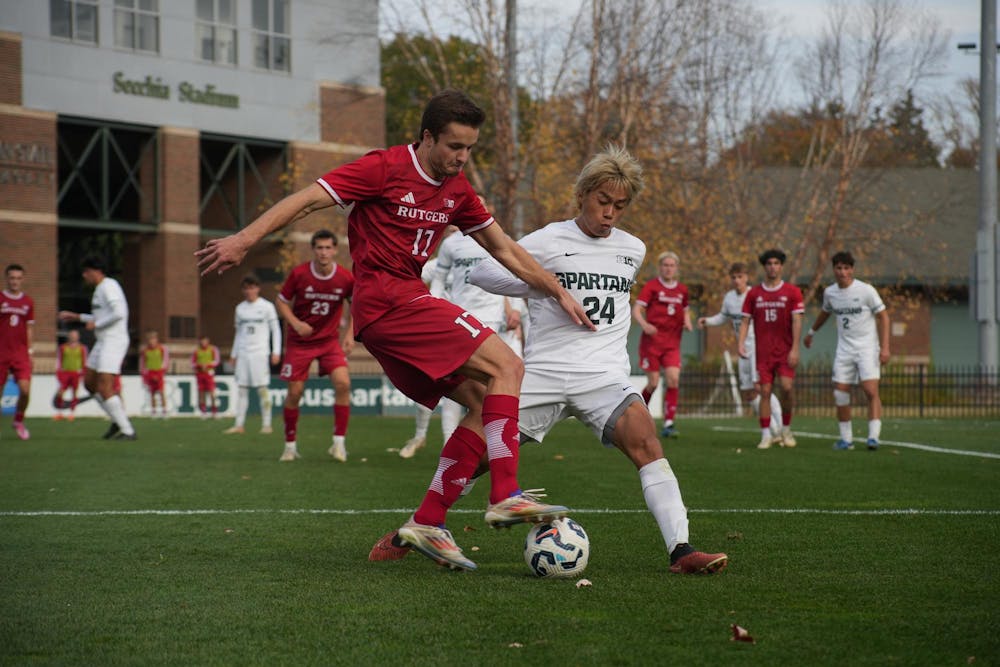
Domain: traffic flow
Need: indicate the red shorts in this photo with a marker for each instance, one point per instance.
(656, 353)
(68, 379)
(421, 344)
(206, 381)
(154, 380)
(295, 364)
(19, 367)
(772, 365)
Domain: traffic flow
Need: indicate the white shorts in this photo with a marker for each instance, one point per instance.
(107, 355)
(849, 367)
(253, 370)
(748, 372)
(596, 399)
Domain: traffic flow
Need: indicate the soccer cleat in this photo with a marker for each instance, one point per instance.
(843, 445)
(124, 436)
(233, 430)
(338, 450)
(57, 417)
(872, 444)
(266, 430)
(435, 543)
(411, 447)
(766, 441)
(21, 431)
(111, 432)
(787, 439)
(290, 454)
(669, 431)
(697, 562)
(523, 508)
(386, 548)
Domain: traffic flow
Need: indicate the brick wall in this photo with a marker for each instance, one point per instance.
(352, 115)
(10, 68)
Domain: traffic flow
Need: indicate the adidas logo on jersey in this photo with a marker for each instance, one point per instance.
(309, 288)
(408, 198)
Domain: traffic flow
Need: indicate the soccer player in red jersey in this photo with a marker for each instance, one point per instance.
(661, 309)
(403, 198)
(205, 359)
(311, 302)
(71, 359)
(775, 308)
(154, 358)
(17, 322)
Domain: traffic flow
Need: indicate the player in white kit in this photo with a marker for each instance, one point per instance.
(573, 372)
(862, 346)
(732, 312)
(257, 331)
(108, 319)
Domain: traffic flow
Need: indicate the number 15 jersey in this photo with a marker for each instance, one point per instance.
(771, 310)
(318, 301)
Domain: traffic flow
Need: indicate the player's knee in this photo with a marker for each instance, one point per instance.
(841, 398)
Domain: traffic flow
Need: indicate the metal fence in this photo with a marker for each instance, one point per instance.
(910, 390)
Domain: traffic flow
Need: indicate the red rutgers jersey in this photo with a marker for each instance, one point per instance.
(317, 300)
(397, 222)
(771, 310)
(16, 312)
(665, 305)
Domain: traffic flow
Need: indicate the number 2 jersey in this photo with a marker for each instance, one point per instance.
(397, 222)
(854, 308)
(770, 311)
(318, 301)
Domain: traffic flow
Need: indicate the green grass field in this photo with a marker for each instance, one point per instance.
(193, 548)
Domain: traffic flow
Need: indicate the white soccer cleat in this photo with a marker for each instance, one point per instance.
(411, 447)
(266, 430)
(523, 508)
(338, 450)
(290, 454)
(787, 439)
(435, 543)
(766, 441)
(233, 430)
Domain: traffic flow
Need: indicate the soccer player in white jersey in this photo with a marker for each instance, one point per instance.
(862, 346)
(597, 263)
(732, 312)
(108, 319)
(257, 330)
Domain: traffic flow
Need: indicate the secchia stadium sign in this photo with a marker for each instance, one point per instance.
(153, 86)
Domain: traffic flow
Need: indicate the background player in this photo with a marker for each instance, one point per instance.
(311, 302)
(205, 359)
(108, 320)
(661, 309)
(732, 311)
(775, 309)
(70, 360)
(403, 197)
(257, 329)
(17, 323)
(862, 346)
(154, 359)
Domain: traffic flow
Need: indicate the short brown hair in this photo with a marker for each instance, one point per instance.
(450, 106)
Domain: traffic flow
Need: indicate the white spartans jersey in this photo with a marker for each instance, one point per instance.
(109, 311)
(599, 273)
(456, 258)
(854, 308)
(732, 310)
(256, 326)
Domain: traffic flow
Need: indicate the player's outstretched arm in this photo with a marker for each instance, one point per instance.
(221, 254)
(820, 321)
(741, 341)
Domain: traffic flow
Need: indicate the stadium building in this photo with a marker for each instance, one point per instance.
(139, 129)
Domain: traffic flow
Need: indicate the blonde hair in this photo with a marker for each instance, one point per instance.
(612, 165)
(665, 254)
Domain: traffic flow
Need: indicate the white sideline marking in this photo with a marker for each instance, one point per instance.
(894, 443)
(209, 512)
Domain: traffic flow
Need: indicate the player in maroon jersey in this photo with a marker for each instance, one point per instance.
(311, 302)
(403, 198)
(776, 309)
(661, 309)
(17, 323)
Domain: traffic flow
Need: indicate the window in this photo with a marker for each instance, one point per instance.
(74, 19)
(272, 48)
(137, 25)
(215, 31)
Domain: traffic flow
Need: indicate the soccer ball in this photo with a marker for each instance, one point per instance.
(560, 548)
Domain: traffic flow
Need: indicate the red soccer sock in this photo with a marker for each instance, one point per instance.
(459, 460)
(291, 416)
(341, 415)
(19, 416)
(646, 395)
(786, 418)
(765, 423)
(502, 444)
(670, 403)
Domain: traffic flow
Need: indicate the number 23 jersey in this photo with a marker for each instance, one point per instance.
(599, 273)
(317, 300)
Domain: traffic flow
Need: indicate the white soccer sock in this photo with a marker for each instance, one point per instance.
(242, 401)
(451, 415)
(663, 497)
(113, 406)
(755, 405)
(845, 431)
(775, 414)
(265, 406)
(874, 429)
(423, 421)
